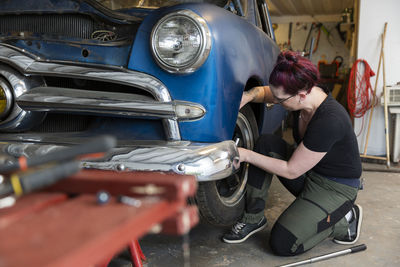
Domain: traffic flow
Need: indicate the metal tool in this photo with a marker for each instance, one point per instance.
(99, 144)
(328, 256)
(31, 181)
(55, 166)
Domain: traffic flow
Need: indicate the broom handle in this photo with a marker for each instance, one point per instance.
(386, 112)
(376, 84)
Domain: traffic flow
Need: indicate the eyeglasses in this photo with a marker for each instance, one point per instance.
(283, 100)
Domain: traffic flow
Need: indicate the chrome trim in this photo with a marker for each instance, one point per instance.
(29, 64)
(18, 119)
(203, 53)
(171, 129)
(245, 127)
(207, 162)
(76, 138)
(100, 103)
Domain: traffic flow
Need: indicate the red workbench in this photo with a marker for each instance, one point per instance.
(54, 229)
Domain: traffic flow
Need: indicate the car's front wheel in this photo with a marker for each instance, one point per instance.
(222, 202)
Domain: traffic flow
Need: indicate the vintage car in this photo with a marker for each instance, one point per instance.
(164, 77)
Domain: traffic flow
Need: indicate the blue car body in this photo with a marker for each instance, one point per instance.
(218, 85)
(73, 69)
(240, 52)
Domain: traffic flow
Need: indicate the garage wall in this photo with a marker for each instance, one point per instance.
(373, 15)
(327, 50)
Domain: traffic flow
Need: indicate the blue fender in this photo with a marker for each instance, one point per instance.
(239, 52)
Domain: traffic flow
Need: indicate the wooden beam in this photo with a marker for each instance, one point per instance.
(291, 6)
(278, 5)
(372, 157)
(309, 6)
(273, 8)
(306, 18)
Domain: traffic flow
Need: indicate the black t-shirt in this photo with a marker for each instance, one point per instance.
(330, 130)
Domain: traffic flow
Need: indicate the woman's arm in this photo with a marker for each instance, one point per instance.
(301, 161)
(259, 94)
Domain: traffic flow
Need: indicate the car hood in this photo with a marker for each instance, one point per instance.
(65, 6)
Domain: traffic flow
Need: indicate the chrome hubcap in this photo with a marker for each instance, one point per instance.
(231, 190)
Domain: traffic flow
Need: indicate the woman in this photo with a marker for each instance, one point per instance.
(322, 172)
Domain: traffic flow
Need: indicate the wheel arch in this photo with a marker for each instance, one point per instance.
(258, 108)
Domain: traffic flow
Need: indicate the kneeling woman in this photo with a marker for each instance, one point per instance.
(322, 172)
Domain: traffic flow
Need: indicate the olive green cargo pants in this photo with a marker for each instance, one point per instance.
(317, 213)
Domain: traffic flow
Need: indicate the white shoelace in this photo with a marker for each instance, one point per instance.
(237, 227)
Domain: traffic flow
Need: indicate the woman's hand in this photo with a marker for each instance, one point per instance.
(243, 152)
(242, 157)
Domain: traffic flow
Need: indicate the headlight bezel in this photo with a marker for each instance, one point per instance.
(202, 53)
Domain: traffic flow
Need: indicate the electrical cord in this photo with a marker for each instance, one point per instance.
(360, 91)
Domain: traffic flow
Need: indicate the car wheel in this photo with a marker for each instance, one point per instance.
(222, 202)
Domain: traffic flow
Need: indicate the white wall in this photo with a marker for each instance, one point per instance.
(373, 15)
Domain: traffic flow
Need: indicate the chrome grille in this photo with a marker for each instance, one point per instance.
(74, 26)
(94, 85)
(64, 123)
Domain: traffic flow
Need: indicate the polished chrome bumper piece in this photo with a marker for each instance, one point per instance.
(57, 99)
(29, 64)
(207, 162)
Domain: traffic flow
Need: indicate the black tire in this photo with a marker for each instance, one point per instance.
(222, 202)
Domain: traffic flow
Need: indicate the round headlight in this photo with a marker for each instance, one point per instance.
(6, 100)
(181, 42)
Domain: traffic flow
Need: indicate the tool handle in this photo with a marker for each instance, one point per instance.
(42, 178)
(95, 145)
(358, 248)
(20, 185)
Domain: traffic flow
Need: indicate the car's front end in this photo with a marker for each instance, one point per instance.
(26, 130)
(165, 81)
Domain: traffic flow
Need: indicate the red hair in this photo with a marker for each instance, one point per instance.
(294, 73)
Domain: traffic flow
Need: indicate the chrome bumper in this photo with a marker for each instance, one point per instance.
(207, 162)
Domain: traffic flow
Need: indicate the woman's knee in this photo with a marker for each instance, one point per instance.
(283, 242)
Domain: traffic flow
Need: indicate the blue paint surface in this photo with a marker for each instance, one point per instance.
(240, 51)
(113, 55)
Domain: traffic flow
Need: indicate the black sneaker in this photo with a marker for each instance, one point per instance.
(241, 231)
(353, 233)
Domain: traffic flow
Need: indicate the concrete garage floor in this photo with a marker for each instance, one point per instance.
(380, 200)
